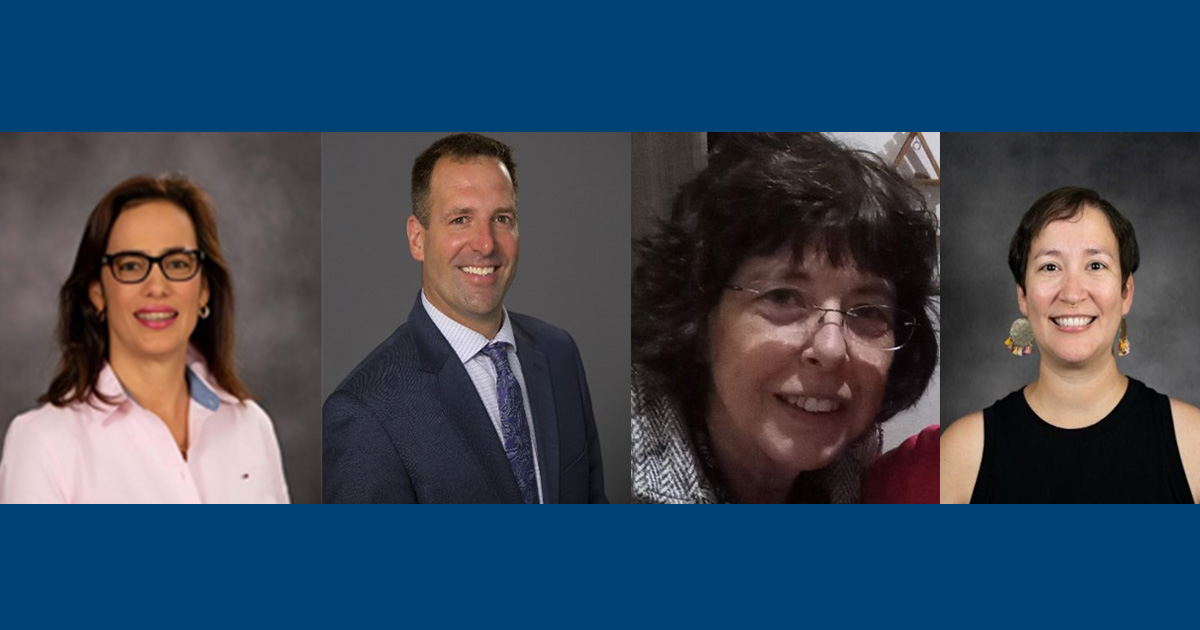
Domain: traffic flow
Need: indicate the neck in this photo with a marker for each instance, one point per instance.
(1074, 397)
(488, 329)
(160, 386)
(488, 325)
(749, 478)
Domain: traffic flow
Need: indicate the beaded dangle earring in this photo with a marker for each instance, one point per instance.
(1020, 338)
(1123, 343)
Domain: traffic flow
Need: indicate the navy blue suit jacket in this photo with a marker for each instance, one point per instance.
(407, 425)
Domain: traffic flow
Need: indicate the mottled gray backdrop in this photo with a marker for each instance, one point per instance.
(990, 180)
(267, 192)
(574, 270)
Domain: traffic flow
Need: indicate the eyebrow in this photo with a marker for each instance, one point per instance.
(472, 210)
(870, 286)
(1091, 251)
(162, 252)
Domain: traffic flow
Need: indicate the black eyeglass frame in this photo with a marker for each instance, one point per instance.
(905, 323)
(107, 260)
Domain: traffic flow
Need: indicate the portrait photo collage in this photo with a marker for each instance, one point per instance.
(671, 318)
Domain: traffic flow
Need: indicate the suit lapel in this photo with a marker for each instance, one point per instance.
(536, 371)
(464, 411)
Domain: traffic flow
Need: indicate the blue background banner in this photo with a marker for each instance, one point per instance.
(666, 66)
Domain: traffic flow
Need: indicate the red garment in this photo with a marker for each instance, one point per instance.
(907, 473)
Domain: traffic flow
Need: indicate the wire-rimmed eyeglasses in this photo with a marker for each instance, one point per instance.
(177, 265)
(877, 326)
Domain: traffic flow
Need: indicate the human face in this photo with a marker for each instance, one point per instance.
(469, 249)
(782, 398)
(154, 318)
(1073, 295)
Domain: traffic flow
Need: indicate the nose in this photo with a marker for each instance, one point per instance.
(827, 348)
(482, 240)
(156, 284)
(1073, 291)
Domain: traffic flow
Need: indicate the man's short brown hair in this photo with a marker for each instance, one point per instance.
(460, 146)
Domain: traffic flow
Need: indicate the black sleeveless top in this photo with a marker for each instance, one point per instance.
(1129, 456)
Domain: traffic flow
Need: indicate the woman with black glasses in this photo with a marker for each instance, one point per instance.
(780, 315)
(146, 406)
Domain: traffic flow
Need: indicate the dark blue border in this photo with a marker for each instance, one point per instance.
(224, 66)
(614, 566)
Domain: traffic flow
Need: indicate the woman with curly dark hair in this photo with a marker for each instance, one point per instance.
(780, 314)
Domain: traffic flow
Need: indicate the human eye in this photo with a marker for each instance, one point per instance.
(179, 261)
(506, 219)
(1096, 265)
(783, 296)
(459, 220)
(782, 304)
(872, 312)
(129, 263)
(1051, 267)
(871, 321)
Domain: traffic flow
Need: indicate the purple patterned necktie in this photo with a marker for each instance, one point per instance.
(517, 443)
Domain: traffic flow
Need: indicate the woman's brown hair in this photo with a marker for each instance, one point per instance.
(83, 334)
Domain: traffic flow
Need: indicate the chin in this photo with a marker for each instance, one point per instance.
(159, 350)
(1076, 356)
(803, 455)
(481, 305)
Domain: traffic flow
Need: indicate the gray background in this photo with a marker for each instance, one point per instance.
(990, 180)
(573, 273)
(267, 191)
(662, 162)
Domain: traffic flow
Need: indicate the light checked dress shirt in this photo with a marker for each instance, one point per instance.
(122, 453)
(467, 344)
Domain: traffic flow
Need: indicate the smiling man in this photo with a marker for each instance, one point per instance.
(466, 402)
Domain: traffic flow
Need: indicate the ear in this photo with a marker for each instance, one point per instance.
(416, 238)
(96, 295)
(1127, 296)
(1021, 300)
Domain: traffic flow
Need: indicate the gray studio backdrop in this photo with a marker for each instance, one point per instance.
(662, 162)
(990, 180)
(574, 270)
(267, 192)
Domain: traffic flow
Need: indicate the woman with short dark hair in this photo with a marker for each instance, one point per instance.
(146, 406)
(1082, 432)
(780, 314)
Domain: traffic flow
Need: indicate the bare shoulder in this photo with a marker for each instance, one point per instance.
(1186, 413)
(1187, 434)
(961, 455)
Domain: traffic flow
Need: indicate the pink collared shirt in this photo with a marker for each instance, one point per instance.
(122, 453)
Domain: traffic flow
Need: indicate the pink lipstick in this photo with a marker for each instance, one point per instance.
(156, 317)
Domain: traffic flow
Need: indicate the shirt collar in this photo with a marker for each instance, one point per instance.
(466, 342)
(201, 386)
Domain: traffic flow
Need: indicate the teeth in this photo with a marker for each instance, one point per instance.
(814, 405)
(1069, 322)
(156, 316)
(479, 271)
